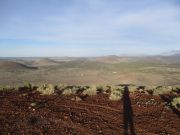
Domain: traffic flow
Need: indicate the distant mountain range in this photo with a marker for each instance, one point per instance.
(171, 53)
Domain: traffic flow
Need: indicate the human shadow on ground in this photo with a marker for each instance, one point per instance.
(128, 113)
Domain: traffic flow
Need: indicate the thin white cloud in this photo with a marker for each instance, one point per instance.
(101, 23)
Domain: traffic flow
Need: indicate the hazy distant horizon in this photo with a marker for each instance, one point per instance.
(120, 55)
(86, 28)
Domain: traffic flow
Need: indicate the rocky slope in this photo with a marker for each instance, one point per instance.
(105, 110)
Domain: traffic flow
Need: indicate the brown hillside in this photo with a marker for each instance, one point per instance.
(45, 62)
(9, 65)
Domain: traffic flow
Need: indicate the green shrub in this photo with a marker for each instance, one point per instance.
(149, 89)
(106, 89)
(58, 89)
(1, 88)
(176, 89)
(133, 88)
(162, 90)
(116, 93)
(176, 102)
(72, 89)
(92, 90)
(78, 89)
(100, 88)
(29, 86)
(6, 88)
(46, 89)
(67, 91)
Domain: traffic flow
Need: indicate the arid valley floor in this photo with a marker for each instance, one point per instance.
(147, 70)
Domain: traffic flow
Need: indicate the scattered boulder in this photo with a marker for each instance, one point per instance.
(33, 104)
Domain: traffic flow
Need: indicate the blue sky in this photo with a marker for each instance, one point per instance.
(88, 27)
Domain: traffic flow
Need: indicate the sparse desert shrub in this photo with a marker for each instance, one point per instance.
(141, 89)
(176, 89)
(75, 89)
(116, 95)
(132, 88)
(162, 90)
(176, 102)
(58, 89)
(61, 86)
(46, 89)
(6, 88)
(26, 87)
(99, 89)
(117, 87)
(67, 91)
(29, 86)
(92, 90)
(83, 87)
(1, 88)
(149, 89)
(106, 89)
(79, 89)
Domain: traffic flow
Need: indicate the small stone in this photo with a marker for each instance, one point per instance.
(33, 104)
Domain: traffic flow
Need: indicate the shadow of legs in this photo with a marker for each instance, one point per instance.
(128, 113)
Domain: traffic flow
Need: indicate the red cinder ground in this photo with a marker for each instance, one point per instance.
(136, 113)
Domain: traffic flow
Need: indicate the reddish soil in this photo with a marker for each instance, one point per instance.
(136, 113)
